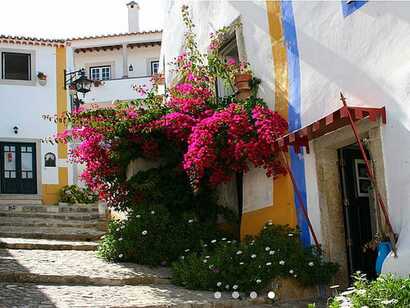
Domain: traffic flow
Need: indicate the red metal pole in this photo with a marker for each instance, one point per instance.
(379, 199)
(300, 199)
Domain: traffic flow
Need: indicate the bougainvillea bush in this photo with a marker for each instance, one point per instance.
(210, 138)
(250, 265)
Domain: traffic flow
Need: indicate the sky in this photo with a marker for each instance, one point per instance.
(73, 18)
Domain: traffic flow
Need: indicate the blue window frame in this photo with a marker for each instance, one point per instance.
(350, 7)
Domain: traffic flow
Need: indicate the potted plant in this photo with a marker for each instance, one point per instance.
(42, 78)
(380, 244)
(98, 83)
(242, 79)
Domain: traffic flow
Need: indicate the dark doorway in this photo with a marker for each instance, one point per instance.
(356, 189)
(18, 168)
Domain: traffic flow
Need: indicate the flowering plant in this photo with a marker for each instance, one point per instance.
(189, 126)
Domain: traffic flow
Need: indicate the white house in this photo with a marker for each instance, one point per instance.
(306, 53)
(32, 171)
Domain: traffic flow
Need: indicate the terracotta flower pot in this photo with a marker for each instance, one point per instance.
(242, 83)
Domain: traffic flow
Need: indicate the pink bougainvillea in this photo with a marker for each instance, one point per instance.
(213, 138)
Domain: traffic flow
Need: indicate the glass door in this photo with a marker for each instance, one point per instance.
(18, 168)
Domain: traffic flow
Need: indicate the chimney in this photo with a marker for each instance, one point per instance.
(133, 16)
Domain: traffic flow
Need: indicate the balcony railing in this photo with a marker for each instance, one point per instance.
(117, 89)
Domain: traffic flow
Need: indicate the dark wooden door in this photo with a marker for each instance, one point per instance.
(18, 168)
(358, 226)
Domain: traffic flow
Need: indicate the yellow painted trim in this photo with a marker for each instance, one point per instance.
(51, 191)
(282, 211)
(61, 96)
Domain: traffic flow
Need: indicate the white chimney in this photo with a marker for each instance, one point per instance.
(133, 17)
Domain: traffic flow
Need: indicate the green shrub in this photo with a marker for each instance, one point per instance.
(152, 236)
(75, 194)
(250, 265)
(385, 291)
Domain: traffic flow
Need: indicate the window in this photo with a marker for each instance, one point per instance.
(227, 51)
(16, 66)
(154, 67)
(100, 72)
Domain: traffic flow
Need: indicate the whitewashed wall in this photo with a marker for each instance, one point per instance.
(365, 55)
(23, 106)
(210, 16)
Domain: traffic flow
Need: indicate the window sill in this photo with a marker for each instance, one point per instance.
(12, 82)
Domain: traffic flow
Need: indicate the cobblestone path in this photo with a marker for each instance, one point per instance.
(35, 278)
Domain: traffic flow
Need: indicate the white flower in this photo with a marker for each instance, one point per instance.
(152, 212)
(361, 292)
(241, 263)
(227, 287)
(235, 295)
(229, 242)
(253, 295)
(118, 229)
(121, 255)
(290, 234)
(122, 227)
(205, 245)
(281, 262)
(145, 232)
(264, 228)
(190, 221)
(253, 256)
(271, 295)
(267, 248)
(311, 264)
(258, 281)
(295, 276)
(205, 261)
(272, 252)
(235, 287)
(207, 257)
(217, 295)
(268, 263)
(138, 216)
(213, 241)
(120, 239)
(389, 302)
(224, 239)
(239, 252)
(186, 250)
(291, 272)
(218, 284)
(182, 257)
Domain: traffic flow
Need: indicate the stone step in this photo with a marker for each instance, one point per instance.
(65, 234)
(47, 222)
(38, 244)
(6, 202)
(161, 296)
(63, 216)
(73, 268)
(65, 208)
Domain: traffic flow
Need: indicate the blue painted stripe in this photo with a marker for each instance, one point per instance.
(349, 8)
(297, 161)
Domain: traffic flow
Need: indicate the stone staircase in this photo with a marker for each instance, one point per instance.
(47, 259)
(52, 222)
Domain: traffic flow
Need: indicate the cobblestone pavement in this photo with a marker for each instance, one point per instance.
(22, 243)
(72, 264)
(48, 296)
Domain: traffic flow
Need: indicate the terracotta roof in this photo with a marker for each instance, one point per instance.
(24, 40)
(113, 35)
